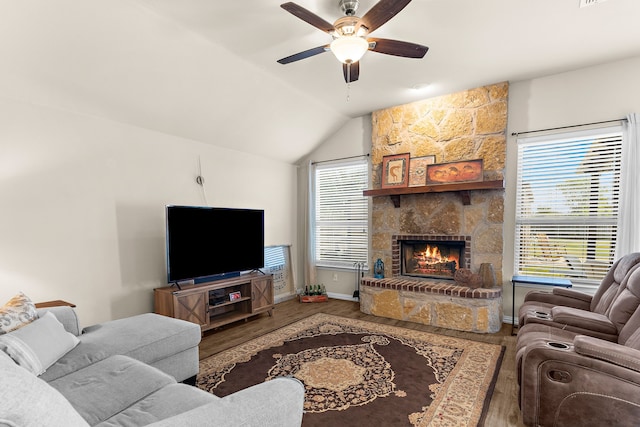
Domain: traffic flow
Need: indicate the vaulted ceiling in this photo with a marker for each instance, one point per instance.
(206, 70)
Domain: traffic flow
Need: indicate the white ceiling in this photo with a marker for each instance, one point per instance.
(206, 69)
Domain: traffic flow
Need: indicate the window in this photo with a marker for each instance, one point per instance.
(567, 204)
(341, 214)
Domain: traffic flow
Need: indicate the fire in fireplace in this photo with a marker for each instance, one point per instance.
(435, 259)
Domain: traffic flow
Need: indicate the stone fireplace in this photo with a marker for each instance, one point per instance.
(461, 126)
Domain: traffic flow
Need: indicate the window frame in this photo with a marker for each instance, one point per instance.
(360, 204)
(597, 219)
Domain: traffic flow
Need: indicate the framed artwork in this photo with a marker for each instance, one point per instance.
(233, 296)
(395, 171)
(418, 170)
(446, 173)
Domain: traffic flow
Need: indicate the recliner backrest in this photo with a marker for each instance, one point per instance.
(626, 302)
(610, 288)
(630, 336)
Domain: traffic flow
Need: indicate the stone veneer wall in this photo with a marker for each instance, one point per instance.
(462, 126)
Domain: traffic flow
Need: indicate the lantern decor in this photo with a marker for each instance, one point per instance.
(378, 269)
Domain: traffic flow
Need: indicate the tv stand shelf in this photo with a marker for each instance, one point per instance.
(210, 305)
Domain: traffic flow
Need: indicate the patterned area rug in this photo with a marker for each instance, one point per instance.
(359, 373)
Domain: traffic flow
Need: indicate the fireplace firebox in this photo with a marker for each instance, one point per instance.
(430, 256)
(431, 259)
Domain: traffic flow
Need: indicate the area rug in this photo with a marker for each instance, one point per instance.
(359, 373)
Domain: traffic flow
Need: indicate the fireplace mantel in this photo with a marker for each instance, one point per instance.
(462, 188)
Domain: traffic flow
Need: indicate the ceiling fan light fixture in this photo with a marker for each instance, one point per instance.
(349, 49)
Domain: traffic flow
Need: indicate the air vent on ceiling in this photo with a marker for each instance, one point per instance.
(585, 3)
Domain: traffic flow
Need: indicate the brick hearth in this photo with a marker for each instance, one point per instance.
(433, 302)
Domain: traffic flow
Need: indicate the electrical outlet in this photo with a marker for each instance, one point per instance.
(335, 277)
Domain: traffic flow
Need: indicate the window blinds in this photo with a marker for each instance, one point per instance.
(341, 214)
(568, 192)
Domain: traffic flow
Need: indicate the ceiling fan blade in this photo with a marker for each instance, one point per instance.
(304, 55)
(351, 71)
(308, 17)
(382, 12)
(398, 48)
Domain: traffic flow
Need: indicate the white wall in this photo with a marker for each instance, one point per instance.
(82, 205)
(605, 92)
(353, 139)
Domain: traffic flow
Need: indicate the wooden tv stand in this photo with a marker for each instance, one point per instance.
(210, 304)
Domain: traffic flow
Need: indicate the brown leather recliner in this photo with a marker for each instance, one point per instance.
(565, 308)
(581, 382)
(625, 319)
(581, 376)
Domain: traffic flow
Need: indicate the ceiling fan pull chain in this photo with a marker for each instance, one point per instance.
(348, 82)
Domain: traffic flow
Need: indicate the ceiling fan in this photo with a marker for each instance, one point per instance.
(350, 41)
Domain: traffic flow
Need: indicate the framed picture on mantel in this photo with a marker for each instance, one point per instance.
(446, 173)
(395, 171)
(418, 170)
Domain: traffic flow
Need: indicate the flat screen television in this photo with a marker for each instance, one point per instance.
(205, 243)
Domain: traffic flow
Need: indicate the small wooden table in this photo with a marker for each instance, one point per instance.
(533, 281)
(54, 303)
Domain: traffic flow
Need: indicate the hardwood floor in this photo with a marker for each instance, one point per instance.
(503, 410)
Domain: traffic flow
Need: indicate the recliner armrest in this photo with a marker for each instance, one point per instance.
(571, 293)
(583, 319)
(561, 386)
(610, 352)
(559, 296)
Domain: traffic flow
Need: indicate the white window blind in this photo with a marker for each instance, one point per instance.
(567, 204)
(341, 213)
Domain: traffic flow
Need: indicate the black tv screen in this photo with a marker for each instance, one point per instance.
(204, 242)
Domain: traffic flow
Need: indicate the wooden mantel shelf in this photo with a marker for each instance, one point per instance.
(462, 188)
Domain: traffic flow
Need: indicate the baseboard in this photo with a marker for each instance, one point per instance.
(344, 297)
(507, 320)
(284, 297)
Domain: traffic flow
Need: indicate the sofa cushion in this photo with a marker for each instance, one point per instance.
(27, 401)
(16, 313)
(102, 390)
(168, 401)
(278, 402)
(39, 344)
(147, 337)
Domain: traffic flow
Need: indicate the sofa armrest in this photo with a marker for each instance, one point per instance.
(65, 315)
(610, 352)
(275, 403)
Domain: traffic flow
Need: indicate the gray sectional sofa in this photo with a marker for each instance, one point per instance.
(131, 372)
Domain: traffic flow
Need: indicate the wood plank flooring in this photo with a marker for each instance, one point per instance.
(503, 410)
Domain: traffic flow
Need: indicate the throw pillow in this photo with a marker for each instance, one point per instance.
(16, 313)
(39, 344)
